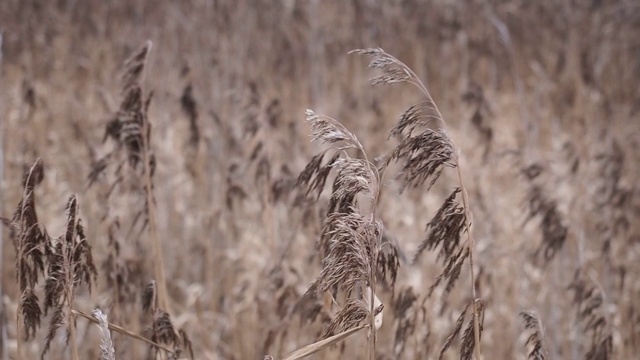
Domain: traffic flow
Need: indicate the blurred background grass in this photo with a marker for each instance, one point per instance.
(548, 82)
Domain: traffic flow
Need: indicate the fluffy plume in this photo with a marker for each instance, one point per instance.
(554, 232)
(388, 262)
(107, 351)
(126, 126)
(352, 240)
(590, 304)
(149, 296)
(535, 341)
(330, 131)
(31, 313)
(467, 344)
(445, 231)
(393, 71)
(190, 108)
(70, 264)
(353, 314)
(423, 157)
(163, 330)
(314, 176)
(30, 239)
(354, 177)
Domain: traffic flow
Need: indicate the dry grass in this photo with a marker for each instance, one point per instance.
(490, 183)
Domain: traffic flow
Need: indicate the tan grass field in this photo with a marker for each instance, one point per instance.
(222, 181)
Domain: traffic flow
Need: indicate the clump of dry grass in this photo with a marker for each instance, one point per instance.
(67, 259)
(67, 262)
(70, 264)
(423, 157)
(351, 242)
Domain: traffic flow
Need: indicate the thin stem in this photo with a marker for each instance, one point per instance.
(68, 251)
(18, 331)
(3, 321)
(72, 336)
(163, 298)
(372, 316)
(123, 331)
(471, 246)
(153, 228)
(323, 344)
(415, 81)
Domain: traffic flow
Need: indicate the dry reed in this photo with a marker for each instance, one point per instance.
(206, 173)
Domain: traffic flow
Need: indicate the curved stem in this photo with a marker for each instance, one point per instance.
(415, 81)
(163, 297)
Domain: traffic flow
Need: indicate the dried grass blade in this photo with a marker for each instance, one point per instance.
(123, 331)
(323, 344)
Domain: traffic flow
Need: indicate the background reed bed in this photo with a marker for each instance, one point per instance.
(481, 204)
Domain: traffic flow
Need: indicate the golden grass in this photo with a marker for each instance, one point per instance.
(193, 197)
